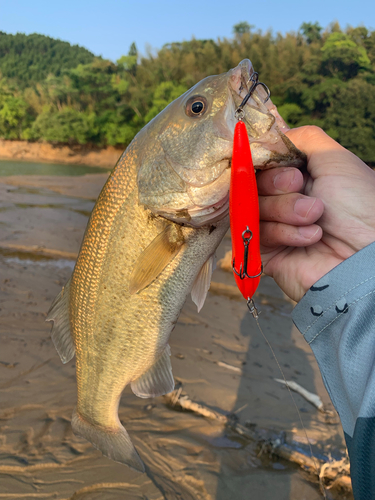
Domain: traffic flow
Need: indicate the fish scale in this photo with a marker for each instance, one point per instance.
(150, 241)
(136, 341)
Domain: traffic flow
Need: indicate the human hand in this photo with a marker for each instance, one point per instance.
(311, 222)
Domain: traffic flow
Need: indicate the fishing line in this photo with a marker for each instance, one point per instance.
(254, 312)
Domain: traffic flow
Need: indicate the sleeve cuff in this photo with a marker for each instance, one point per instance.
(330, 298)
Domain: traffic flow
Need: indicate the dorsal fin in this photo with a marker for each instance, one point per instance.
(155, 258)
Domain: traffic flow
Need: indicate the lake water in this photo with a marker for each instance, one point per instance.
(27, 168)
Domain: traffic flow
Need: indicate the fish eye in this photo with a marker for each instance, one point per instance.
(196, 106)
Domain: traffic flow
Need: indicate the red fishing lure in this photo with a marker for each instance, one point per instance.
(244, 216)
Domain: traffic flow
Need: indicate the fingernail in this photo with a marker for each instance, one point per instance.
(284, 179)
(308, 232)
(303, 206)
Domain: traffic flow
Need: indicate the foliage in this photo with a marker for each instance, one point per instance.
(55, 92)
(65, 126)
(30, 58)
(352, 115)
(164, 93)
(241, 28)
(12, 112)
(312, 32)
(342, 56)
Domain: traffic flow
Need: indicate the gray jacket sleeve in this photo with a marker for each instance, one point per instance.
(337, 319)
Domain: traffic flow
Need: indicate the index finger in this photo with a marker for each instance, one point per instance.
(277, 181)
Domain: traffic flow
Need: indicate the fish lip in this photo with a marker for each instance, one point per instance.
(238, 86)
(240, 78)
(274, 149)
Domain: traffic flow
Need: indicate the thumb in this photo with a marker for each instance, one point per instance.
(325, 156)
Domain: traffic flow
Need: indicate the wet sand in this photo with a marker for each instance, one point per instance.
(218, 356)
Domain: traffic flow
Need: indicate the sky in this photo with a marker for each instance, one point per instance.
(108, 27)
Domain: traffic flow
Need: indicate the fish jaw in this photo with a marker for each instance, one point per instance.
(270, 147)
(207, 205)
(185, 175)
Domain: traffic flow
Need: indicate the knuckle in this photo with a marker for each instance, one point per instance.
(311, 131)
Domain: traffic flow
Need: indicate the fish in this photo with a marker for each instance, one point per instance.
(150, 241)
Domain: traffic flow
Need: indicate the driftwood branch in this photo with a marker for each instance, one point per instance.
(334, 473)
(312, 398)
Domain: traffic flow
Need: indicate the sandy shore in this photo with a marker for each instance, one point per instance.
(45, 152)
(218, 356)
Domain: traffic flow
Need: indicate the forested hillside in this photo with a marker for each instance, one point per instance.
(28, 59)
(54, 92)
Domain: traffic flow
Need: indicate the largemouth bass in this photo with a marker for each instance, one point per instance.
(150, 241)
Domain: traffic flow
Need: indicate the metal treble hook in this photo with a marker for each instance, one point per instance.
(239, 114)
(243, 272)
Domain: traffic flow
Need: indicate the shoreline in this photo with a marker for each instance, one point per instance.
(60, 154)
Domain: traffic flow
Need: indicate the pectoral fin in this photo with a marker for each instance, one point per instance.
(155, 258)
(59, 314)
(202, 283)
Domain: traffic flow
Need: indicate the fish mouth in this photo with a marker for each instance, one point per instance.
(266, 129)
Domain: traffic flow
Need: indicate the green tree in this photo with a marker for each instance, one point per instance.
(352, 115)
(342, 57)
(242, 28)
(13, 116)
(291, 112)
(65, 126)
(31, 58)
(129, 62)
(311, 32)
(323, 78)
(165, 93)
